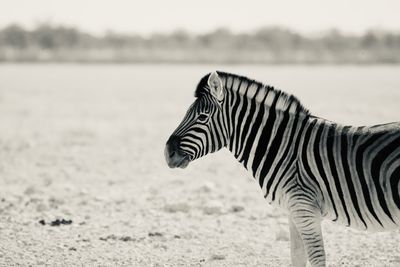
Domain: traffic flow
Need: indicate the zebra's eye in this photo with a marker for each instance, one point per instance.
(202, 117)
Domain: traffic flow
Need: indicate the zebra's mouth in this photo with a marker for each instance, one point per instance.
(178, 162)
(175, 158)
(183, 163)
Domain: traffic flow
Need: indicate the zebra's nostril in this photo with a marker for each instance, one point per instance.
(171, 154)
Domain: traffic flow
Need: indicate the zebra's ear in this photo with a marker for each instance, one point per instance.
(215, 84)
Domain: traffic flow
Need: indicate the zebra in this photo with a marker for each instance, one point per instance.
(314, 168)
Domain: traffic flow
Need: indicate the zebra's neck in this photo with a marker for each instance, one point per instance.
(263, 125)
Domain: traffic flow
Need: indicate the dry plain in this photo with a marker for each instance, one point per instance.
(85, 143)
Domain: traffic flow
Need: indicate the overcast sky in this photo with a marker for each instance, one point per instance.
(148, 16)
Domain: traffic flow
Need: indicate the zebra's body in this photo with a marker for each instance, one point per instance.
(313, 167)
(357, 170)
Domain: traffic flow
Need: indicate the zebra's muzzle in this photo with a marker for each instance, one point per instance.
(173, 155)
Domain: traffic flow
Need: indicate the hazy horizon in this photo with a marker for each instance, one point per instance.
(257, 31)
(306, 17)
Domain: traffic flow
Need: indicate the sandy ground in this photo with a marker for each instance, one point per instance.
(85, 143)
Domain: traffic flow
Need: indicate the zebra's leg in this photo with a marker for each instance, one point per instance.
(307, 221)
(297, 252)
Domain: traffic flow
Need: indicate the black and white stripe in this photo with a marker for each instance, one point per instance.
(313, 167)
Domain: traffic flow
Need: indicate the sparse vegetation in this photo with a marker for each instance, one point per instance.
(272, 45)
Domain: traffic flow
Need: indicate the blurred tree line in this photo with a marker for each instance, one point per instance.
(272, 45)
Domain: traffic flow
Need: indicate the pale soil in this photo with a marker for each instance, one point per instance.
(85, 143)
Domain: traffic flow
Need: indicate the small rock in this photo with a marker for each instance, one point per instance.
(212, 208)
(59, 222)
(30, 190)
(177, 207)
(72, 249)
(114, 237)
(236, 208)
(127, 238)
(42, 222)
(151, 234)
(217, 257)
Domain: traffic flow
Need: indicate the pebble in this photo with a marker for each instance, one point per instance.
(177, 207)
(56, 222)
(236, 208)
(217, 257)
(212, 208)
(30, 190)
(114, 237)
(252, 218)
(109, 237)
(151, 234)
(127, 238)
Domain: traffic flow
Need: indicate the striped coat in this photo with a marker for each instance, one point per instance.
(314, 168)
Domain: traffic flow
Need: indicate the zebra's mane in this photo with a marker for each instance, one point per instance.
(261, 92)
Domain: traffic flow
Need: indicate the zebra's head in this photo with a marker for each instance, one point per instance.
(203, 130)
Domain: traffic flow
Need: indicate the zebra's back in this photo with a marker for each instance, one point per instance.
(357, 170)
